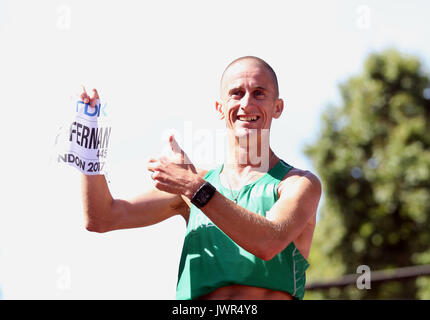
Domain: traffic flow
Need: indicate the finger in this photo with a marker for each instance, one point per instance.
(174, 145)
(84, 96)
(186, 200)
(153, 159)
(94, 98)
(95, 94)
(155, 175)
(160, 186)
(164, 187)
(158, 176)
(178, 150)
(153, 166)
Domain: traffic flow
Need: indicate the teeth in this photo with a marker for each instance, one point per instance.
(247, 118)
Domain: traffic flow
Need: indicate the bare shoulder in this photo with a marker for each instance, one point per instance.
(302, 188)
(299, 182)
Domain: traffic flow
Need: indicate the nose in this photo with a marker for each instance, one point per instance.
(246, 102)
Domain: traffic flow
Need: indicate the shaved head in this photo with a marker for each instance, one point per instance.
(258, 61)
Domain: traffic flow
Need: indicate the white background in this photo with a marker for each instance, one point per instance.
(158, 65)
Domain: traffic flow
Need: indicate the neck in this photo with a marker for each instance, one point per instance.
(251, 152)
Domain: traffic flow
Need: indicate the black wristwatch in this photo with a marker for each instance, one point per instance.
(203, 195)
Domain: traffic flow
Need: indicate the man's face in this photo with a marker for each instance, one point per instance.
(249, 99)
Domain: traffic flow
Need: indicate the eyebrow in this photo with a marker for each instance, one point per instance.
(241, 87)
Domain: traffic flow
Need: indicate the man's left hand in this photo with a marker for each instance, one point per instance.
(175, 174)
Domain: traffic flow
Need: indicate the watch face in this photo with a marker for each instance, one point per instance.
(203, 195)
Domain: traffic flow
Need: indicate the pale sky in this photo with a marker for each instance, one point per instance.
(157, 64)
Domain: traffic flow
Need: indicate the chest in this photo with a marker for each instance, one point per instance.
(258, 198)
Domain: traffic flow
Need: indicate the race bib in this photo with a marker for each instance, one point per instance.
(83, 142)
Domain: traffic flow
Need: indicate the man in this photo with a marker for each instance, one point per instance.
(250, 221)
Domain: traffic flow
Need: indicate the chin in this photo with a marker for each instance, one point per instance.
(246, 132)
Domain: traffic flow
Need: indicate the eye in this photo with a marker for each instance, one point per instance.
(236, 93)
(259, 93)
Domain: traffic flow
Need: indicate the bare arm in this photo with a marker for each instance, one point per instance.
(267, 236)
(264, 237)
(104, 213)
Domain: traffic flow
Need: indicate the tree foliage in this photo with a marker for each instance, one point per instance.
(373, 158)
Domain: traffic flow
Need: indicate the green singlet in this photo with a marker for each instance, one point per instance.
(210, 259)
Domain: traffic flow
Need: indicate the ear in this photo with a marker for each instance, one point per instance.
(279, 107)
(218, 108)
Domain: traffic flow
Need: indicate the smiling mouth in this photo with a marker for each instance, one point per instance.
(248, 118)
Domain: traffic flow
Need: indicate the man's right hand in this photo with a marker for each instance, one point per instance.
(87, 99)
